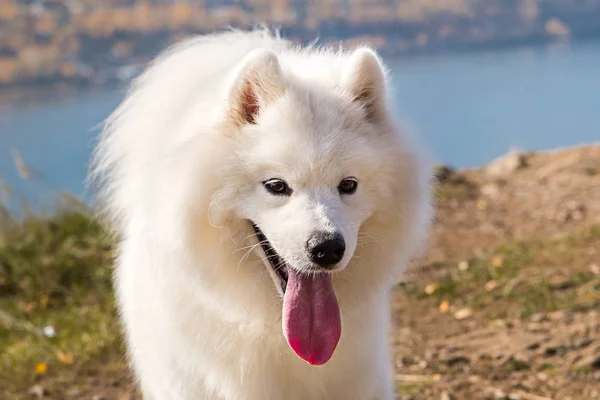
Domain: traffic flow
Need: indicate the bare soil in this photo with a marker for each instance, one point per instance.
(540, 213)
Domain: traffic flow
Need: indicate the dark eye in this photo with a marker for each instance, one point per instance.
(348, 186)
(278, 187)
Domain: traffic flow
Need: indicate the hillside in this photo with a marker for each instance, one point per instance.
(93, 42)
(504, 305)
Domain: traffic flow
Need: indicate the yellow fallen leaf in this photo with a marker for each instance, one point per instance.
(66, 358)
(432, 287)
(444, 306)
(497, 261)
(463, 313)
(41, 368)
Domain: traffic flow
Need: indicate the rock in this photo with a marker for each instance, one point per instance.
(573, 211)
(538, 317)
(499, 394)
(463, 313)
(429, 354)
(490, 285)
(498, 323)
(38, 391)
(558, 282)
(533, 346)
(517, 362)
(555, 350)
(490, 190)
(514, 396)
(583, 342)
(407, 360)
(457, 359)
(506, 165)
(446, 396)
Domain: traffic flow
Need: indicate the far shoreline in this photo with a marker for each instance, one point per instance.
(14, 94)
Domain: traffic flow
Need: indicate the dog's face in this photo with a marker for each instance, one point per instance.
(311, 184)
(308, 161)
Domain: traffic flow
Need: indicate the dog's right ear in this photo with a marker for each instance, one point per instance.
(257, 83)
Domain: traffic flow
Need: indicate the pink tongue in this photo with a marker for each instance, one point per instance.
(311, 317)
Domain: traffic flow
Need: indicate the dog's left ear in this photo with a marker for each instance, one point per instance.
(364, 78)
(256, 83)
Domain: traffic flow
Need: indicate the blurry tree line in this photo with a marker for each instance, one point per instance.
(96, 41)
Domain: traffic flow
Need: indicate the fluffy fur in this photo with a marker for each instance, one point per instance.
(180, 166)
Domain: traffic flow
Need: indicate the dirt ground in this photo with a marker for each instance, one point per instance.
(540, 343)
(505, 303)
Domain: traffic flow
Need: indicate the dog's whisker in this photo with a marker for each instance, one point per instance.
(248, 247)
(245, 256)
(253, 234)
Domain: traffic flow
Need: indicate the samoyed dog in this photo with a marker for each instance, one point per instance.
(265, 202)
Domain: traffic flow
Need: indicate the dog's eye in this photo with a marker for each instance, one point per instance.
(348, 186)
(278, 187)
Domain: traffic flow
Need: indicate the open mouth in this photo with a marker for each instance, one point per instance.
(277, 263)
(311, 319)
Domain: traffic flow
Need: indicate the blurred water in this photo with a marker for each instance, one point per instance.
(467, 108)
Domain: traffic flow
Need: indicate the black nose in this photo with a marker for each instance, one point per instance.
(326, 249)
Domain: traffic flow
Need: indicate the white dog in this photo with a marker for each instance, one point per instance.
(265, 202)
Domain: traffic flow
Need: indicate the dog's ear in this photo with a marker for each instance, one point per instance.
(364, 78)
(257, 83)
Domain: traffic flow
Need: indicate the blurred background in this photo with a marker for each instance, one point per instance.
(513, 259)
(474, 78)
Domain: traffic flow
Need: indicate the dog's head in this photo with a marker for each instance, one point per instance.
(309, 158)
(317, 157)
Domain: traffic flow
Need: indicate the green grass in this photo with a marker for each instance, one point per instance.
(521, 279)
(54, 272)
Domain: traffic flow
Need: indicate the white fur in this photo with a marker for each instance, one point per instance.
(180, 175)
